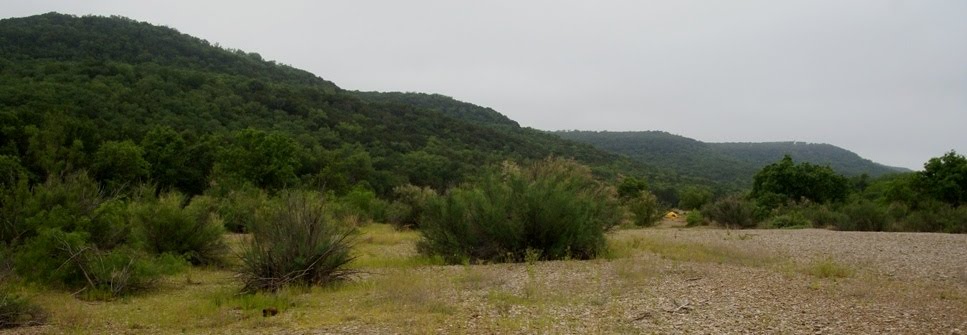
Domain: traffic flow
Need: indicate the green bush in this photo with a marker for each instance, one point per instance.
(823, 216)
(732, 211)
(936, 217)
(16, 310)
(67, 203)
(791, 219)
(645, 209)
(552, 207)
(694, 218)
(694, 197)
(294, 241)
(362, 204)
(407, 210)
(66, 259)
(192, 232)
(864, 215)
(239, 206)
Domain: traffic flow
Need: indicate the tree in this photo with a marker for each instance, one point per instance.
(166, 152)
(119, 163)
(631, 187)
(694, 197)
(945, 178)
(785, 181)
(267, 160)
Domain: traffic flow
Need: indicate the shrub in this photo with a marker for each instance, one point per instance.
(16, 310)
(407, 210)
(694, 198)
(936, 217)
(167, 227)
(61, 258)
(553, 207)
(732, 211)
(294, 241)
(792, 219)
(67, 203)
(823, 216)
(120, 164)
(694, 218)
(238, 208)
(361, 203)
(864, 215)
(645, 208)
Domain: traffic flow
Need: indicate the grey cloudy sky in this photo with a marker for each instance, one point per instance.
(884, 78)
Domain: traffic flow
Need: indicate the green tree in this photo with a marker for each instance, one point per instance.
(120, 163)
(694, 197)
(267, 160)
(785, 181)
(945, 178)
(631, 187)
(167, 153)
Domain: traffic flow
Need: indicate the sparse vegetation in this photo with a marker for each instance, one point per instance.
(827, 268)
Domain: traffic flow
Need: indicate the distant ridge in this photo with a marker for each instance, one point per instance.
(729, 163)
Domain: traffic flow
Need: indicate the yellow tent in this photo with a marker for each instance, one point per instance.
(671, 215)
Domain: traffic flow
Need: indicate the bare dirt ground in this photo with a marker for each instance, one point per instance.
(664, 280)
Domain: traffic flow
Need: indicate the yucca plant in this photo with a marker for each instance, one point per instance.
(294, 241)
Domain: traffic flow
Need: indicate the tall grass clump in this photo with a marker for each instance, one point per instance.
(732, 211)
(552, 207)
(295, 241)
(166, 225)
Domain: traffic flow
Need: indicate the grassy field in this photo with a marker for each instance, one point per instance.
(652, 281)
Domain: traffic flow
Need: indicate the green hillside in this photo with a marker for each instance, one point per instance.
(200, 114)
(725, 163)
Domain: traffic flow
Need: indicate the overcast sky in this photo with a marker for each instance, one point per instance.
(884, 78)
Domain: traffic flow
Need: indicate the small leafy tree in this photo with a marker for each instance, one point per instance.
(631, 187)
(785, 181)
(945, 178)
(694, 197)
(120, 163)
(645, 208)
(267, 160)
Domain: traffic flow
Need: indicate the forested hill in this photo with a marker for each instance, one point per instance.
(443, 104)
(729, 163)
(129, 102)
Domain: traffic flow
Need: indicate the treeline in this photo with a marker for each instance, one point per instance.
(789, 195)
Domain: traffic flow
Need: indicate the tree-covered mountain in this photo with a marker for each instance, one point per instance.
(107, 94)
(727, 163)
